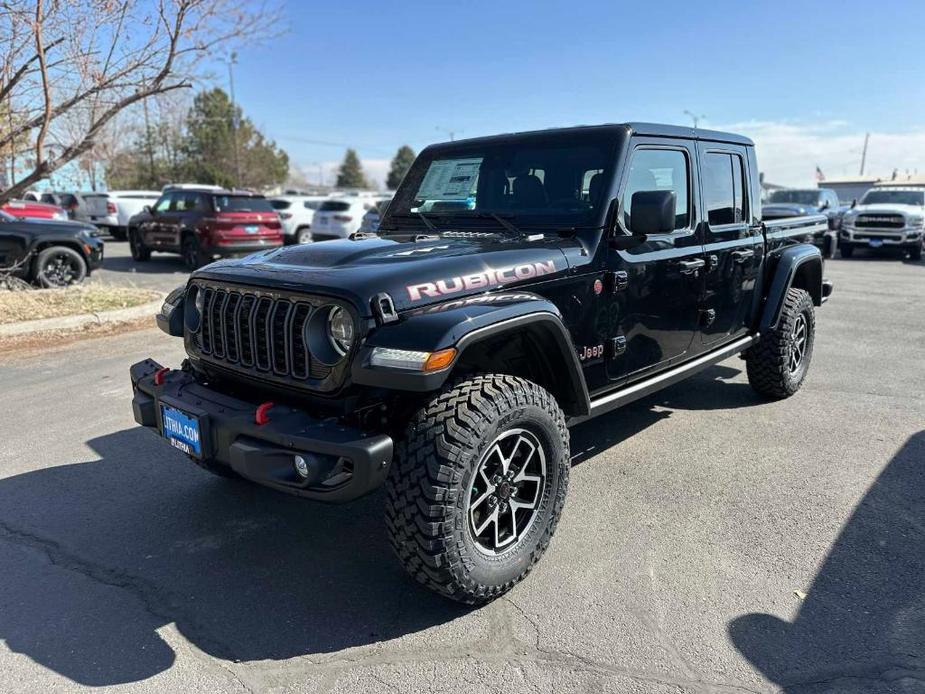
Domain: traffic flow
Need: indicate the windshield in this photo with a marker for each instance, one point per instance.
(545, 179)
(799, 197)
(894, 197)
(241, 203)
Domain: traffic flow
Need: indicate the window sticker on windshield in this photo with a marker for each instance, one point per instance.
(450, 179)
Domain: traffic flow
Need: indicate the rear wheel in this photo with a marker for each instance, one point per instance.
(777, 365)
(846, 250)
(140, 253)
(60, 266)
(477, 487)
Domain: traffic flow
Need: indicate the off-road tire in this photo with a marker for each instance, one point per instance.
(60, 266)
(140, 253)
(769, 361)
(846, 251)
(429, 485)
(915, 253)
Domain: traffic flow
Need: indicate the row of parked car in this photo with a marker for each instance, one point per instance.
(887, 216)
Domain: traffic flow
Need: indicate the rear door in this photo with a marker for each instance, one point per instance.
(732, 239)
(653, 313)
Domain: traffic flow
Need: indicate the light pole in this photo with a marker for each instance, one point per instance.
(694, 117)
(451, 133)
(232, 60)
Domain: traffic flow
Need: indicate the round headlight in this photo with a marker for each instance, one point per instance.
(340, 330)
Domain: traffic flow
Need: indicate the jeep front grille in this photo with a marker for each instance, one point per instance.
(255, 332)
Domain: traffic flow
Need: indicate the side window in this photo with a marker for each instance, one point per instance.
(201, 203)
(723, 192)
(659, 169)
(162, 204)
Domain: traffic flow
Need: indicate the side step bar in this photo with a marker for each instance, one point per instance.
(640, 389)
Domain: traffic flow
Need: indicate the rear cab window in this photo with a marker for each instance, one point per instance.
(723, 180)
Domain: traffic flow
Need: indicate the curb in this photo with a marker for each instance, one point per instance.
(80, 320)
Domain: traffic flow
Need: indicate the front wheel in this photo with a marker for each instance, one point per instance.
(192, 256)
(140, 253)
(915, 253)
(777, 365)
(846, 250)
(477, 487)
(60, 266)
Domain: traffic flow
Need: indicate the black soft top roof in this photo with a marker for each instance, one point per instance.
(648, 129)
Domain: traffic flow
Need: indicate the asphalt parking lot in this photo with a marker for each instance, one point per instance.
(711, 542)
(163, 272)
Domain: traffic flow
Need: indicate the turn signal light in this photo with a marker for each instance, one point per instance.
(440, 360)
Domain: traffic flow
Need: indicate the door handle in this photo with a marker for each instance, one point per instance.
(689, 267)
(743, 255)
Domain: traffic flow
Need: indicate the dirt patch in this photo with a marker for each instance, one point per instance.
(54, 303)
(54, 339)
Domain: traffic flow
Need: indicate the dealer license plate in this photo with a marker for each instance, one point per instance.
(875, 243)
(182, 430)
(251, 228)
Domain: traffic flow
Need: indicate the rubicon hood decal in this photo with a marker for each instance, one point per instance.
(490, 277)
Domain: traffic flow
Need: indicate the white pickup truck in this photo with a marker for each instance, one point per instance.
(886, 217)
(111, 211)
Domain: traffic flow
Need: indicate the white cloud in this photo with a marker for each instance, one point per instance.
(788, 152)
(376, 171)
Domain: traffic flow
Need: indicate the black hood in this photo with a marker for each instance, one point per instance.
(413, 273)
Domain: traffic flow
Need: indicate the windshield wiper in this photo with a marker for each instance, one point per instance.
(509, 226)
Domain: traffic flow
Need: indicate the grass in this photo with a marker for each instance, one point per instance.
(53, 303)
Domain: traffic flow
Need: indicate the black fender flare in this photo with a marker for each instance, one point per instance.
(798, 266)
(465, 323)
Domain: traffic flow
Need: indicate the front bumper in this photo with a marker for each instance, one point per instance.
(344, 463)
(95, 255)
(875, 238)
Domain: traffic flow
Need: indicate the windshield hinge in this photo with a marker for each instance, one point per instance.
(384, 309)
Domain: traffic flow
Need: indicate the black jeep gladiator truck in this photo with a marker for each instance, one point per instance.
(518, 284)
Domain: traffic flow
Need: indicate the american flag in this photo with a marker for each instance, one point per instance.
(819, 175)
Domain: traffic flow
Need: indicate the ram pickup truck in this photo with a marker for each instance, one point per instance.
(887, 217)
(795, 202)
(518, 285)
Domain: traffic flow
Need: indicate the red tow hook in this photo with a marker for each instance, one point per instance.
(261, 416)
(159, 376)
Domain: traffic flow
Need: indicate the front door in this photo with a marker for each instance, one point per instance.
(655, 301)
(732, 241)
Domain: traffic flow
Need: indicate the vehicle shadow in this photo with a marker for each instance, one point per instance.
(864, 616)
(144, 538)
(710, 390)
(101, 555)
(157, 264)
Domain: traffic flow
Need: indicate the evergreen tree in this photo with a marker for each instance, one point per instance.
(351, 173)
(401, 162)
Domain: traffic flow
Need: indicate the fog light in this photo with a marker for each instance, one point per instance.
(301, 467)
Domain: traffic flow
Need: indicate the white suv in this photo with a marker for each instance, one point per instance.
(339, 217)
(112, 210)
(297, 212)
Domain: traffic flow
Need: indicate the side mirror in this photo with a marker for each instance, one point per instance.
(824, 206)
(854, 203)
(653, 212)
(147, 208)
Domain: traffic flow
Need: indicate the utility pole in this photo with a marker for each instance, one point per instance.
(234, 118)
(694, 117)
(451, 133)
(864, 153)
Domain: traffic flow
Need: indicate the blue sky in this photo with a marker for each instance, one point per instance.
(805, 79)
